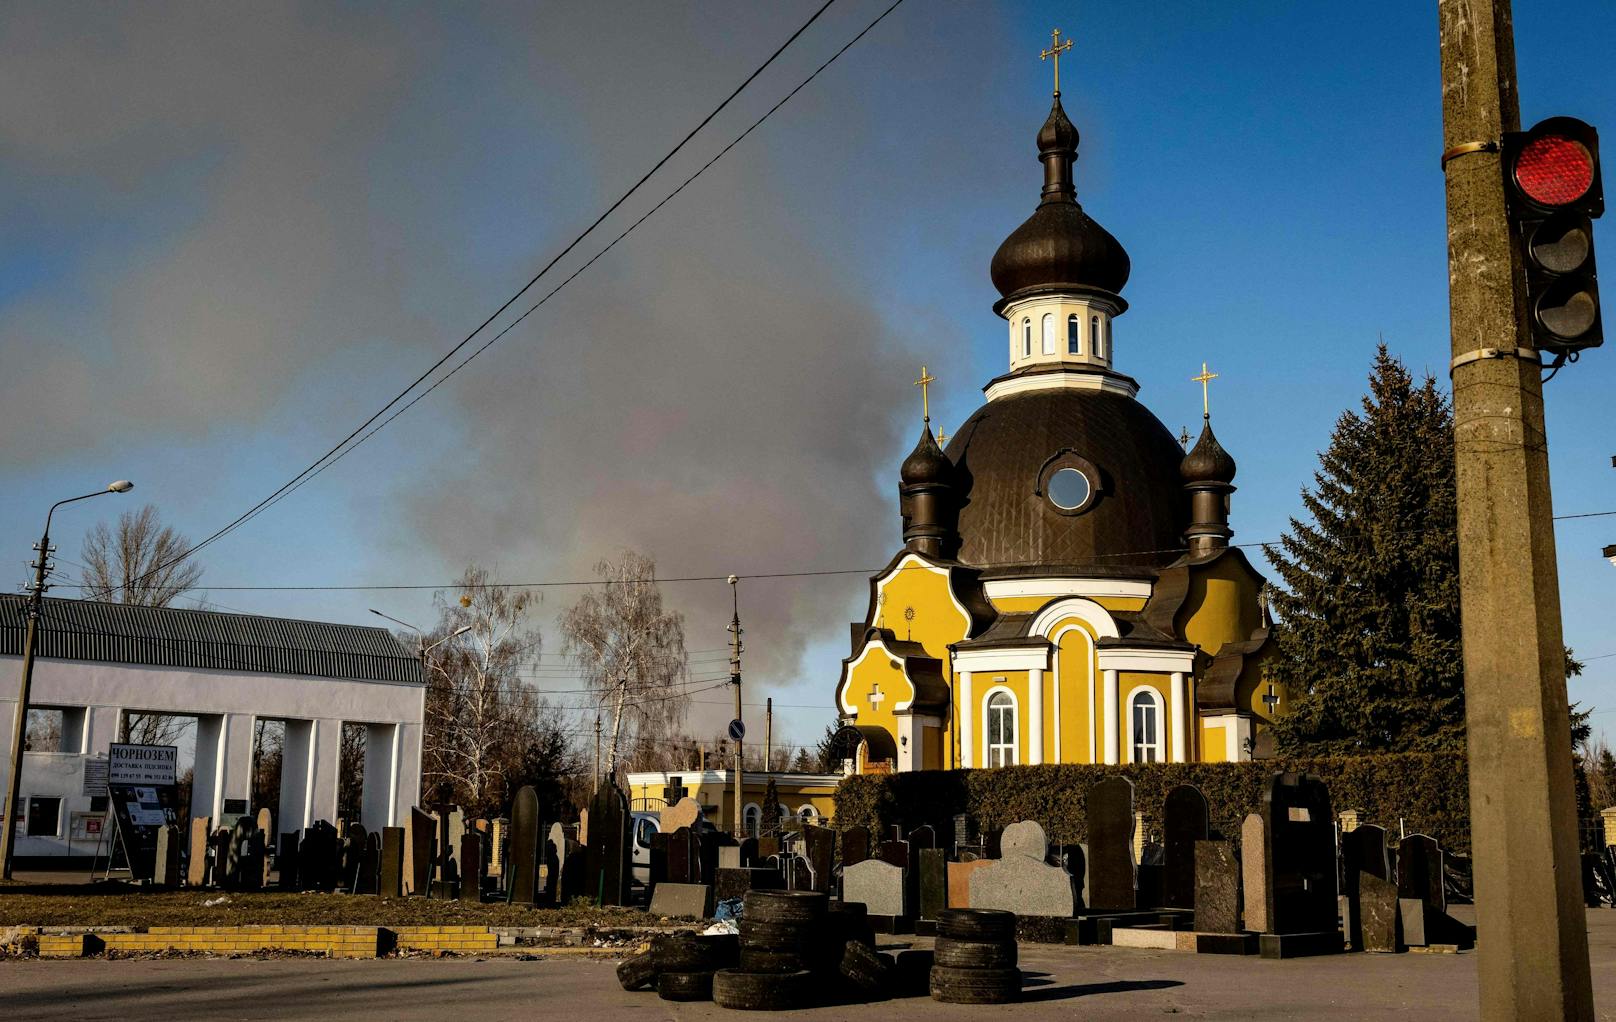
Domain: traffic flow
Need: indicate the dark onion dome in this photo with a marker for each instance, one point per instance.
(1138, 516)
(926, 464)
(1207, 461)
(1059, 246)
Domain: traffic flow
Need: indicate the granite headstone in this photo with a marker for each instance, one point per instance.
(1184, 823)
(1021, 880)
(1111, 864)
(1217, 887)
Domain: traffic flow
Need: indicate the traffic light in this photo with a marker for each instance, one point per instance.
(1553, 184)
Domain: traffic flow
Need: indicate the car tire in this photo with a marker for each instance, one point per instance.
(975, 954)
(748, 991)
(983, 924)
(637, 973)
(784, 906)
(974, 986)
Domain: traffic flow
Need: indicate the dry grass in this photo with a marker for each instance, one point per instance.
(119, 904)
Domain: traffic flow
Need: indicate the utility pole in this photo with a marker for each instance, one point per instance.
(768, 733)
(19, 722)
(735, 680)
(597, 752)
(1532, 935)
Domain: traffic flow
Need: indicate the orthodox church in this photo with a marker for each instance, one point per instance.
(1066, 592)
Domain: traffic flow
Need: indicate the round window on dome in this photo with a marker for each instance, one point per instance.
(1069, 489)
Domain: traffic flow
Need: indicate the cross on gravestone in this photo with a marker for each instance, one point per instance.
(1300, 835)
(522, 858)
(1184, 822)
(1111, 865)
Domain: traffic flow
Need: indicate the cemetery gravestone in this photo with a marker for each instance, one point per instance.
(1254, 872)
(471, 859)
(855, 846)
(895, 852)
(196, 867)
(423, 832)
(286, 863)
(318, 857)
(821, 846)
(1074, 859)
(522, 858)
(392, 862)
(684, 813)
(166, 868)
(1111, 866)
(497, 830)
(1022, 881)
(219, 857)
(684, 857)
(959, 881)
(609, 851)
(878, 885)
(266, 827)
(1301, 861)
(1419, 871)
(1378, 926)
(1363, 850)
(555, 853)
(1184, 823)
(353, 856)
(933, 884)
(367, 879)
(1217, 887)
(923, 836)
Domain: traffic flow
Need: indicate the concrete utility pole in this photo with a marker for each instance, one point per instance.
(768, 733)
(1523, 819)
(735, 680)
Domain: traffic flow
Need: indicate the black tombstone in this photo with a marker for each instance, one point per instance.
(821, 849)
(855, 845)
(367, 878)
(522, 855)
(1185, 816)
(608, 863)
(1300, 852)
(1363, 850)
(1111, 865)
(391, 869)
(473, 864)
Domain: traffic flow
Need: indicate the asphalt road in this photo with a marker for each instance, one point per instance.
(1091, 983)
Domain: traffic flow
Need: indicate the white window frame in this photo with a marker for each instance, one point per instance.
(987, 727)
(1097, 336)
(806, 813)
(1048, 327)
(1159, 746)
(752, 819)
(1026, 337)
(1074, 334)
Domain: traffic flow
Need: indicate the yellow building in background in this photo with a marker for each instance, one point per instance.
(1066, 592)
(807, 797)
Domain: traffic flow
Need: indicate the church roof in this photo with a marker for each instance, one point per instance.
(1059, 245)
(926, 464)
(207, 640)
(1138, 514)
(1207, 461)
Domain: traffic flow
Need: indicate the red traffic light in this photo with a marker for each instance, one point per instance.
(1554, 170)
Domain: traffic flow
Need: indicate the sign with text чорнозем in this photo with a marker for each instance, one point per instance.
(143, 764)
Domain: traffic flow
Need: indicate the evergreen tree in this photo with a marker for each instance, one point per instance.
(1368, 643)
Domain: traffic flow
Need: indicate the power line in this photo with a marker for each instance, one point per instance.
(332, 456)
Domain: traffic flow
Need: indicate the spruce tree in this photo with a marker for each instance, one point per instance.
(1368, 636)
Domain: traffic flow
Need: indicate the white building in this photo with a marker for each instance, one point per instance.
(98, 662)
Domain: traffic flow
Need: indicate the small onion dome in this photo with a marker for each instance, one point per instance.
(1207, 461)
(1059, 244)
(927, 464)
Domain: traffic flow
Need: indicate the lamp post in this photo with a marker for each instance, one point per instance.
(421, 636)
(19, 724)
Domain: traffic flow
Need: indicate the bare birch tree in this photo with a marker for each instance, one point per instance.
(480, 712)
(630, 653)
(131, 563)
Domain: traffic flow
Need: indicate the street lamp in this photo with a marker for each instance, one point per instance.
(420, 635)
(19, 724)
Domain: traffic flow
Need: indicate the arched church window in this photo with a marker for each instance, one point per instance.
(1001, 730)
(1049, 334)
(1074, 344)
(1147, 731)
(1026, 338)
(751, 818)
(1095, 338)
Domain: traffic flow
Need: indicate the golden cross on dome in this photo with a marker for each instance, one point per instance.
(942, 438)
(926, 379)
(1206, 377)
(1056, 48)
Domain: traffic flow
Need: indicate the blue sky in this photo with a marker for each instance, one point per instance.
(222, 249)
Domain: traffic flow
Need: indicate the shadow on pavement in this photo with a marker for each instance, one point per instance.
(1061, 993)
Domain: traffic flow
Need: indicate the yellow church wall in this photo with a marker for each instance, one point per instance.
(877, 667)
(938, 617)
(1074, 672)
(1213, 743)
(1252, 685)
(1221, 605)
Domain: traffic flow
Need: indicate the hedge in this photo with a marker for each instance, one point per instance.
(1429, 791)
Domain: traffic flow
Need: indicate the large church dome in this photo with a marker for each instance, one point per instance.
(1020, 507)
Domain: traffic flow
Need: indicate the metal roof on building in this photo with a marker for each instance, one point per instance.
(208, 640)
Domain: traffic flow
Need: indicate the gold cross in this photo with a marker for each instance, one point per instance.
(942, 438)
(1184, 437)
(1205, 378)
(925, 400)
(1056, 48)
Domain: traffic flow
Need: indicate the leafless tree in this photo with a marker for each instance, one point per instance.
(269, 747)
(480, 712)
(154, 728)
(351, 771)
(138, 561)
(630, 653)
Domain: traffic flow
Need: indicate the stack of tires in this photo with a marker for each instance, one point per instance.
(975, 957)
(785, 942)
(679, 965)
